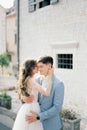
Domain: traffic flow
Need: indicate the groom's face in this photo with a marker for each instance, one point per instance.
(43, 68)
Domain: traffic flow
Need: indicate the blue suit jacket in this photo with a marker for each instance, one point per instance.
(51, 106)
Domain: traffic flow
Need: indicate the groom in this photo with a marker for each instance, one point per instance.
(50, 106)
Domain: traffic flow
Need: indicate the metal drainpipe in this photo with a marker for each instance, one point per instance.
(18, 33)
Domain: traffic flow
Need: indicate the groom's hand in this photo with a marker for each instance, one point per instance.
(32, 117)
(28, 99)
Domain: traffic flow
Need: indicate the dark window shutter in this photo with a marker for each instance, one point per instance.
(53, 1)
(32, 7)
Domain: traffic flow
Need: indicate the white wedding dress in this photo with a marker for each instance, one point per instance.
(21, 123)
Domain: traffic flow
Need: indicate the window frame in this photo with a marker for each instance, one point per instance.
(65, 61)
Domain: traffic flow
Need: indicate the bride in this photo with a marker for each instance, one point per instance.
(28, 86)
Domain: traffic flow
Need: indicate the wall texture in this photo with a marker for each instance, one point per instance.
(59, 28)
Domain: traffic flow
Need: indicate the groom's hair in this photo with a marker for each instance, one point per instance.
(46, 60)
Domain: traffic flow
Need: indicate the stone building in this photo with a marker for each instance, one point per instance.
(11, 35)
(57, 28)
(2, 30)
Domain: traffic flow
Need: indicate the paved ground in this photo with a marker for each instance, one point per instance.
(3, 127)
(16, 104)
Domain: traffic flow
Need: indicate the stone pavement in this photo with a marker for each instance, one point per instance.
(16, 104)
(84, 124)
(3, 127)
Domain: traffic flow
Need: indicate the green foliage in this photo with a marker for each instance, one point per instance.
(4, 60)
(5, 100)
(68, 114)
(5, 96)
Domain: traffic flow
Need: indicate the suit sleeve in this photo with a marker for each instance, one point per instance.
(57, 103)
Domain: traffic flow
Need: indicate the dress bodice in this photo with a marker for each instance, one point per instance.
(31, 91)
(35, 93)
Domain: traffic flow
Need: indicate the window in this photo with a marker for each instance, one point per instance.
(9, 56)
(34, 4)
(44, 3)
(65, 61)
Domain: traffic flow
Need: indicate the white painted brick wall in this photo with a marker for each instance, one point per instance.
(66, 21)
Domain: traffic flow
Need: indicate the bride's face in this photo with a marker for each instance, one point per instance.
(35, 70)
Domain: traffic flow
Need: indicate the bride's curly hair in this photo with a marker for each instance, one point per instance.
(25, 72)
